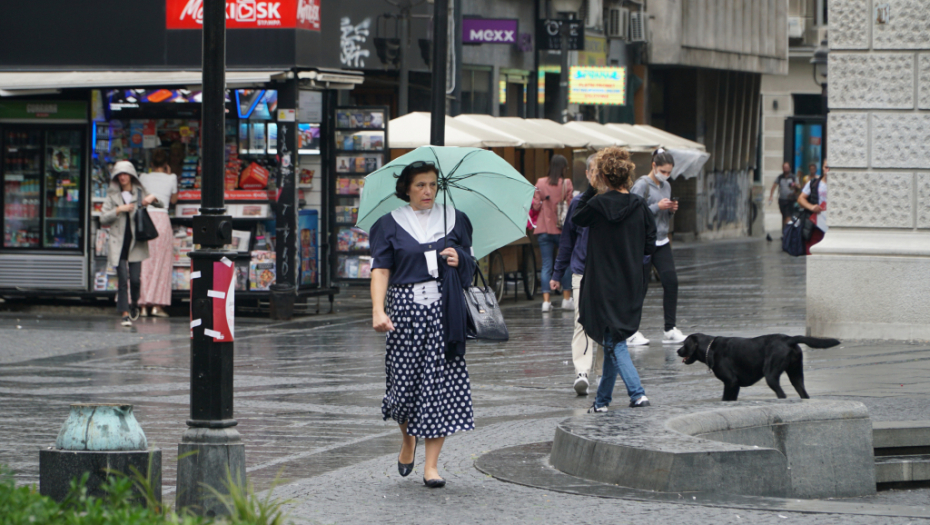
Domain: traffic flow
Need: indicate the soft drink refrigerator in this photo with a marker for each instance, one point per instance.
(43, 183)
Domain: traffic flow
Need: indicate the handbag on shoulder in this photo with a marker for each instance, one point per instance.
(485, 320)
(561, 208)
(145, 228)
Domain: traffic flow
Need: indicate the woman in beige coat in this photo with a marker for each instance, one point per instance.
(123, 252)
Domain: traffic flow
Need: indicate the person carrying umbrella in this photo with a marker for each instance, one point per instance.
(422, 258)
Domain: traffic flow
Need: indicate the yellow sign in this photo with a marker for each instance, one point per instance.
(597, 85)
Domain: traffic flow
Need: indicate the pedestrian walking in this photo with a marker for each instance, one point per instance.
(428, 392)
(573, 248)
(156, 270)
(123, 252)
(621, 232)
(553, 195)
(813, 198)
(787, 186)
(657, 192)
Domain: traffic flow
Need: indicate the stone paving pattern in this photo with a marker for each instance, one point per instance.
(308, 395)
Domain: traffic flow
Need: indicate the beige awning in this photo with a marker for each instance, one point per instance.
(666, 139)
(636, 141)
(600, 138)
(568, 137)
(529, 134)
(413, 130)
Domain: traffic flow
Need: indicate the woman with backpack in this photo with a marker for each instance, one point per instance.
(553, 195)
(813, 198)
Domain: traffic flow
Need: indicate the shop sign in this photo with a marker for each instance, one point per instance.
(549, 35)
(597, 85)
(247, 14)
(36, 109)
(489, 30)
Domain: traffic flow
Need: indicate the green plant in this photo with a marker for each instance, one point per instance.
(23, 505)
(246, 508)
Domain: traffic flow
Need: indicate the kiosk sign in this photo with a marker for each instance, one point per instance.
(247, 14)
(597, 85)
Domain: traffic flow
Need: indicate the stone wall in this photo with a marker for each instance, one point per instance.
(870, 276)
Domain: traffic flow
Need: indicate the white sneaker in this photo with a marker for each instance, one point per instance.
(547, 306)
(581, 384)
(568, 304)
(673, 336)
(596, 409)
(637, 339)
(642, 401)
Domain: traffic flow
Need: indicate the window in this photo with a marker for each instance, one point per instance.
(476, 91)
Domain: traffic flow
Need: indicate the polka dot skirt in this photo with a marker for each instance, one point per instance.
(430, 393)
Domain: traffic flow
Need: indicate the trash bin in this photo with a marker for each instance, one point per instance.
(282, 299)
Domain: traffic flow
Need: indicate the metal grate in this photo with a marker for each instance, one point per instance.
(43, 271)
(637, 27)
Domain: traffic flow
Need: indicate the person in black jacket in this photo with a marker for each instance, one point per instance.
(621, 233)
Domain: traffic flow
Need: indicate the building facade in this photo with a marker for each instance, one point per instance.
(870, 276)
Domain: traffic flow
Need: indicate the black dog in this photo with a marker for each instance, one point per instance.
(742, 362)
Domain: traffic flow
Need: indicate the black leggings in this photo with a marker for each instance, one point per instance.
(132, 272)
(662, 260)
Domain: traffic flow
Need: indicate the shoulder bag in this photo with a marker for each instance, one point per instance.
(145, 228)
(562, 208)
(485, 320)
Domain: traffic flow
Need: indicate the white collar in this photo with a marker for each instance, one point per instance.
(407, 219)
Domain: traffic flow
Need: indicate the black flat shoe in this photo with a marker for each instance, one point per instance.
(406, 468)
(434, 483)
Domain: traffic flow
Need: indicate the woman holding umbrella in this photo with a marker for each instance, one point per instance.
(421, 253)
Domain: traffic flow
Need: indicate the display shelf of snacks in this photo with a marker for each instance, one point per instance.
(360, 136)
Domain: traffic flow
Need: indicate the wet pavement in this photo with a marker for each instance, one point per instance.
(308, 395)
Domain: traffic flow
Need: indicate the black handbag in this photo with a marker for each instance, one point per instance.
(485, 320)
(145, 228)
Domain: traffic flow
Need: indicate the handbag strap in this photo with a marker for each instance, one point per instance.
(478, 272)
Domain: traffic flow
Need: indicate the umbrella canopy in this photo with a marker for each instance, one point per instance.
(478, 182)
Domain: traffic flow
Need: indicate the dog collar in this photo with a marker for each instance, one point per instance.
(708, 358)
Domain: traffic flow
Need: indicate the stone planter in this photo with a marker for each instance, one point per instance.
(101, 427)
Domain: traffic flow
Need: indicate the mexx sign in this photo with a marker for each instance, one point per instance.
(489, 31)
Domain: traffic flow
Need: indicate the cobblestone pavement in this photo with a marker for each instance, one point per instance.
(308, 395)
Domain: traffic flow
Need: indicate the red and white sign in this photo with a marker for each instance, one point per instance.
(224, 301)
(247, 14)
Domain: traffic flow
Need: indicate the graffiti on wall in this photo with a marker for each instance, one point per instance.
(726, 200)
(352, 38)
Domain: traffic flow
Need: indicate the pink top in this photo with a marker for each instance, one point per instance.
(548, 209)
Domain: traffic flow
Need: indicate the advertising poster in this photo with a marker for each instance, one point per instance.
(247, 14)
(597, 85)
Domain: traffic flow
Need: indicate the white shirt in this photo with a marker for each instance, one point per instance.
(162, 185)
(820, 219)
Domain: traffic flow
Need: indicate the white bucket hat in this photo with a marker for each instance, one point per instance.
(123, 166)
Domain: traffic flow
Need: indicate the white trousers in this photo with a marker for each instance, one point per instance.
(585, 351)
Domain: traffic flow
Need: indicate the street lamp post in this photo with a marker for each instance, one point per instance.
(819, 63)
(211, 451)
(437, 136)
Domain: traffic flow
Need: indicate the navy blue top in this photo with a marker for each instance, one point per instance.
(573, 245)
(394, 249)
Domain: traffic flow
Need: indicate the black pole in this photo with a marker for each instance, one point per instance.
(565, 31)
(456, 104)
(210, 449)
(440, 52)
(403, 94)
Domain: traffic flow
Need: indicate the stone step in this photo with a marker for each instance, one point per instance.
(898, 438)
(902, 469)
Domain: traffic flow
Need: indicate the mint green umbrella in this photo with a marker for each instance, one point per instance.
(478, 182)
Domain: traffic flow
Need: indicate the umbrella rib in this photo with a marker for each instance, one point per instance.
(489, 201)
(373, 208)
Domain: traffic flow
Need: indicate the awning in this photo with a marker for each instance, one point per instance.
(664, 138)
(413, 130)
(514, 127)
(28, 82)
(566, 136)
(636, 142)
(598, 138)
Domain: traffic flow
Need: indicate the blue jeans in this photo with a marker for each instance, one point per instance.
(617, 360)
(549, 248)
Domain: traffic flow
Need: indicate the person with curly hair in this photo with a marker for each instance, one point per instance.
(621, 233)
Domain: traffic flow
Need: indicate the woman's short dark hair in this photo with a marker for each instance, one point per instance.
(159, 158)
(405, 179)
(661, 157)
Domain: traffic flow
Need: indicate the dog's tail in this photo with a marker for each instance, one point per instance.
(814, 342)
